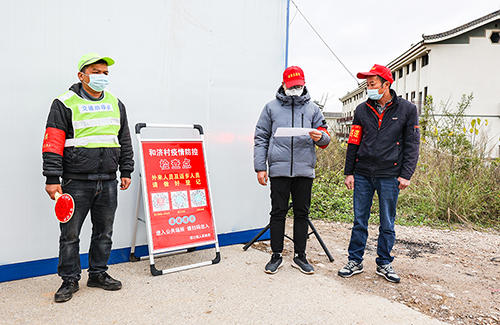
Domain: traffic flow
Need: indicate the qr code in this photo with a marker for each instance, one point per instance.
(179, 200)
(198, 198)
(160, 202)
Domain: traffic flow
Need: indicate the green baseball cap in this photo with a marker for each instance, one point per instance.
(90, 58)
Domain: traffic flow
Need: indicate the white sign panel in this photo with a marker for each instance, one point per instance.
(176, 62)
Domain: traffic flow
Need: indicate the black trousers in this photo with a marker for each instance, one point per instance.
(300, 189)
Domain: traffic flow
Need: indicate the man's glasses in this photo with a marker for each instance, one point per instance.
(296, 87)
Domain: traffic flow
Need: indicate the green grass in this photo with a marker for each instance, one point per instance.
(442, 194)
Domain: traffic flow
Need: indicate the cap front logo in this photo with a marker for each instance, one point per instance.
(296, 74)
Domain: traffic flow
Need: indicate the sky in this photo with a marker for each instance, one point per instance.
(362, 33)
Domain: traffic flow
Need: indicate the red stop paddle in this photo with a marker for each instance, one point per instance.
(64, 207)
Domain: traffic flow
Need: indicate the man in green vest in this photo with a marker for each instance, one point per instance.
(87, 140)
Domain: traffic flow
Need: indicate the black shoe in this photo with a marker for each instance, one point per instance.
(274, 264)
(388, 273)
(300, 262)
(350, 269)
(66, 291)
(104, 281)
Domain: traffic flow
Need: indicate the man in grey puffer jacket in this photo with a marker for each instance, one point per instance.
(291, 163)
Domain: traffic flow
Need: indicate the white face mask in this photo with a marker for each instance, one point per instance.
(294, 92)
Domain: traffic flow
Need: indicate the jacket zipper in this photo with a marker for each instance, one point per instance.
(291, 152)
(373, 153)
(100, 162)
(380, 117)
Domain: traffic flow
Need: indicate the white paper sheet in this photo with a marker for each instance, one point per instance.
(292, 132)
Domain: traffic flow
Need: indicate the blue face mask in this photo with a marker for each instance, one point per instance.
(98, 82)
(373, 94)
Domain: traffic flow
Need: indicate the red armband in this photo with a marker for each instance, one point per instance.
(54, 140)
(324, 130)
(355, 134)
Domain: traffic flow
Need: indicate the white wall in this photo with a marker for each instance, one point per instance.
(211, 62)
(470, 68)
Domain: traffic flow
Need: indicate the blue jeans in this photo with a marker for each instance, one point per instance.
(364, 189)
(100, 198)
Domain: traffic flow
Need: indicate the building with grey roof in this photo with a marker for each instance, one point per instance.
(447, 65)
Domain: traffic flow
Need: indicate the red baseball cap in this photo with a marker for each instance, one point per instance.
(377, 70)
(293, 76)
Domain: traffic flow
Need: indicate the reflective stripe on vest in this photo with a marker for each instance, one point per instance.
(83, 142)
(95, 123)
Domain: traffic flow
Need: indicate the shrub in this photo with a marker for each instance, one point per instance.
(454, 181)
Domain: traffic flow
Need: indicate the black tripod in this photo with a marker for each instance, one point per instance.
(314, 231)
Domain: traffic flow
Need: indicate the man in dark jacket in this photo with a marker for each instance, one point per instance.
(86, 140)
(291, 161)
(382, 154)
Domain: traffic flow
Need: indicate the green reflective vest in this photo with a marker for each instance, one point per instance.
(96, 123)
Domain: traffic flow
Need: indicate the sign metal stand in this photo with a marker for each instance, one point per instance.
(176, 196)
(314, 231)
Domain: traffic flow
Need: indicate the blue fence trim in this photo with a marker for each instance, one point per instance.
(17, 271)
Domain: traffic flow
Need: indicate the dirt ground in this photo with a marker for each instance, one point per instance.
(453, 276)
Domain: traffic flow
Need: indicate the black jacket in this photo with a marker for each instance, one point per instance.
(388, 149)
(86, 163)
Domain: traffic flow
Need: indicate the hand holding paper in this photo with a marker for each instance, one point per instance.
(316, 135)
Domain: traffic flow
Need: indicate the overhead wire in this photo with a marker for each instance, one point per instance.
(293, 18)
(324, 42)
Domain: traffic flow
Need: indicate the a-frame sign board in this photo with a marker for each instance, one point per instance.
(176, 196)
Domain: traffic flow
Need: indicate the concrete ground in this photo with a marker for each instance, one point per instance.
(235, 291)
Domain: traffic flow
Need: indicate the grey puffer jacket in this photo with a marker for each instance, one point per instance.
(288, 156)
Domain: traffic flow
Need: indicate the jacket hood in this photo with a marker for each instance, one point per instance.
(287, 100)
(76, 88)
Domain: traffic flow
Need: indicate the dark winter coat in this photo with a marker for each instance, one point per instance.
(389, 141)
(86, 163)
(288, 156)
